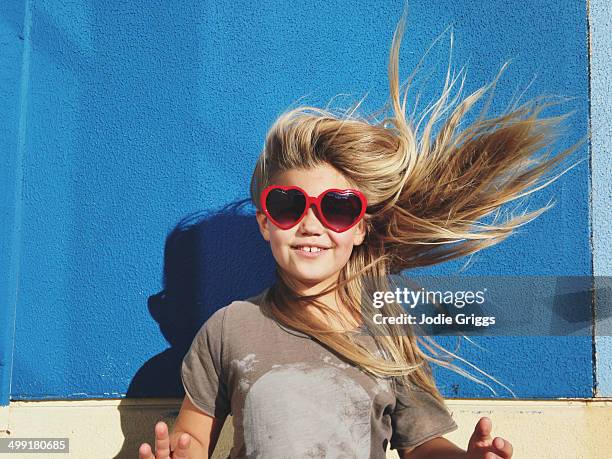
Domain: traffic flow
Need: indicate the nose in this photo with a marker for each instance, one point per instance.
(310, 223)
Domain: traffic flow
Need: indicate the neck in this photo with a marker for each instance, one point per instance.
(347, 320)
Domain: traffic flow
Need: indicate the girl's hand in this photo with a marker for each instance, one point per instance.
(483, 446)
(162, 445)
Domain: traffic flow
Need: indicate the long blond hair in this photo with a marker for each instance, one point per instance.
(426, 198)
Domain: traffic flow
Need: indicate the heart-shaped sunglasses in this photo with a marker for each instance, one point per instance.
(339, 210)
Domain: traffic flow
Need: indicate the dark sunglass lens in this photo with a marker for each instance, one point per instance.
(285, 206)
(341, 209)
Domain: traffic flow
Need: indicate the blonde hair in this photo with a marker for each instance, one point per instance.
(426, 198)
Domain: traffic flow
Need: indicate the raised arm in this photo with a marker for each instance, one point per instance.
(194, 436)
(438, 447)
(481, 446)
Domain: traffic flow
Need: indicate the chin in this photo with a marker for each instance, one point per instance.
(309, 280)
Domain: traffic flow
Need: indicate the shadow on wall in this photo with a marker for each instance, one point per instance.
(210, 260)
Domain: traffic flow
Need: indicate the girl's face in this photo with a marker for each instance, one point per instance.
(311, 269)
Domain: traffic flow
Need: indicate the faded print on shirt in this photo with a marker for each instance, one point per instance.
(291, 397)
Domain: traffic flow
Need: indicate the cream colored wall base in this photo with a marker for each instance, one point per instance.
(116, 428)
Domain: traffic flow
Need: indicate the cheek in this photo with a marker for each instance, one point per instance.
(344, 243)
(278, 239)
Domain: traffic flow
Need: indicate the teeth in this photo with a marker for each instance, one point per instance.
(310, 249)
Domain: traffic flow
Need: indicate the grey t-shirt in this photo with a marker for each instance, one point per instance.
(291, 397)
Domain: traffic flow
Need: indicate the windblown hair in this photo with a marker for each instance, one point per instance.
(427, 196)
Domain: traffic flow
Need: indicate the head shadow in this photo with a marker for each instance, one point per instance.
(210, 259)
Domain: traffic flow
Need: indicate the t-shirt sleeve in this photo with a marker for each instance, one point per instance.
(202, 372)
(418, 417)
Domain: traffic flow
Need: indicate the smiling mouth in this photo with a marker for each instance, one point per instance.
(309, 249)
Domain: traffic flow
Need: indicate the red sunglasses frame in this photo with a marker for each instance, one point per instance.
(310, 200)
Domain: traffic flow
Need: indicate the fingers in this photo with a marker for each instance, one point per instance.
(144, 452)
(182, 447)
(481, 436)
(162, 445)
(483, 428)
(503, 448)
(162, 441)
(499, 449)
(494, 448)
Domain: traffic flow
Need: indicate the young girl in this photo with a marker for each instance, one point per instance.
(344, 202)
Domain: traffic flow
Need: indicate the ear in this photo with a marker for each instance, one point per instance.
(360, 232)
(263, 222)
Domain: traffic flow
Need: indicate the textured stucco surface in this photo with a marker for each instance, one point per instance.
(536, 429)
(601, 126)
(132, 116)
(13, 83)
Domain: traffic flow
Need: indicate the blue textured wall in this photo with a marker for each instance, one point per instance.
(129, 127)
(601, 125)
(15, 58)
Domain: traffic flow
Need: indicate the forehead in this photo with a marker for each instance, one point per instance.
(315, 180)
